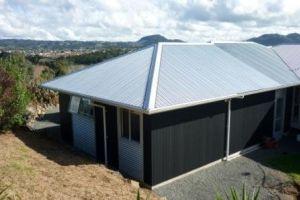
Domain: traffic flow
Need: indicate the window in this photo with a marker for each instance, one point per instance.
(85, 108)
(74, 104)
(130, 125)
(135, 126)
(125, 123)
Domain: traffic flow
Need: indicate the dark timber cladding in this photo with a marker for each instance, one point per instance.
(65, 118)
(178, 141)
(251, 120)
(111, 135)
(288, 108)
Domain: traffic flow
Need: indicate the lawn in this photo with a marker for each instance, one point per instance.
(35, 167)
(289, 163)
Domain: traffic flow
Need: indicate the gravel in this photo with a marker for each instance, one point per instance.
(249, 170)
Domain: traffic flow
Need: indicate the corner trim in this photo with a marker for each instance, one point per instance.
(155, 75)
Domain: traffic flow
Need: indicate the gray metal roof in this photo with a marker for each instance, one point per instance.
(261, 58)
(121, 80)
(176, 75)
(291, 55)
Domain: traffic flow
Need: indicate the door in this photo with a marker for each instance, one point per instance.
(112, 137)
(84, 134)
(279, 113)
(101, 139)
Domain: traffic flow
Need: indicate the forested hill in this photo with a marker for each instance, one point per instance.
(43, 45)
(277, 39)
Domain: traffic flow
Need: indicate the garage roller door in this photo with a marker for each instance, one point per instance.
(84, 134)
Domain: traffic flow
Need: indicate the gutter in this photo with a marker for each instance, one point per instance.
(173, 107)
(232, 96)
(104, 101)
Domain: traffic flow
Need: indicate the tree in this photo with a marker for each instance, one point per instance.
(14, 95)
(61, 67)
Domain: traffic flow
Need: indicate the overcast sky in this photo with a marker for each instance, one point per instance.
(115, 20)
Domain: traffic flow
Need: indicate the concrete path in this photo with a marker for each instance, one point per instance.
(249, 169)
(49, 124)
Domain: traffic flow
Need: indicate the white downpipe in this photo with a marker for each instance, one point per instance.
(228, 129)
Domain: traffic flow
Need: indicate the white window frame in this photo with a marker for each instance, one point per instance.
(119, 116)
(74, 104)
(279, 94)
(86, 114)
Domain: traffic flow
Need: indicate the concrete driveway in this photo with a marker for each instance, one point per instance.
(249, 169)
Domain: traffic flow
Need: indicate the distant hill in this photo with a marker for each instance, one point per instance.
(44, 45)
(152, 39)
(277, 39)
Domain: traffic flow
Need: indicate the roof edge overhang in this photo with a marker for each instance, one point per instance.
(101, 100)
(173, 107)
(223, 98)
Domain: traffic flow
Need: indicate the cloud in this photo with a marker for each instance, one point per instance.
(189, 20)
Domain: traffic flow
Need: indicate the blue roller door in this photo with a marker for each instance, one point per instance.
(84, 134)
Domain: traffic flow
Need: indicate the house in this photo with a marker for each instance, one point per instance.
(170, 109)
(290, 54)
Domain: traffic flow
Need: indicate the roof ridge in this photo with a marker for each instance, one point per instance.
(284, 61)
(152, 81)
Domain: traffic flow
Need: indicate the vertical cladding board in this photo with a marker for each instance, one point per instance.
(147, 150)
(65, 118)
(99, 128)
(131, 158)
(251, 120)
(183, 140)
(84, 134)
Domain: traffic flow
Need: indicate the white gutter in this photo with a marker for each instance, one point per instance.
(196, 103)
(104, 101)
(228, 129)
(173, 107)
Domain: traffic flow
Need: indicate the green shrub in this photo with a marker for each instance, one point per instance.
(14, 96)
(234, 194)
(61, 67)
(138, 196)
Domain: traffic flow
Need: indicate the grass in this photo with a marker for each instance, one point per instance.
(289, 163)
(38, 168)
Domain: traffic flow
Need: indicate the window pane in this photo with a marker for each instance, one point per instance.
(125, 123)
(297, 96)
(135, 127)
(74, 104)
(85, 108)
(278, 125)
(296, 113)
(279, 107)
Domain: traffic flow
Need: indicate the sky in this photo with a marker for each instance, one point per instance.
(129, 20)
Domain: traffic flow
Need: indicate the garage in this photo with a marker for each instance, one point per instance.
(83, 125)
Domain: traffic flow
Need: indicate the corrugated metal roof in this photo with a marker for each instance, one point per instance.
(122, 80)
(191, 73)
(291, 55)
(175, 75)
(261, 58)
